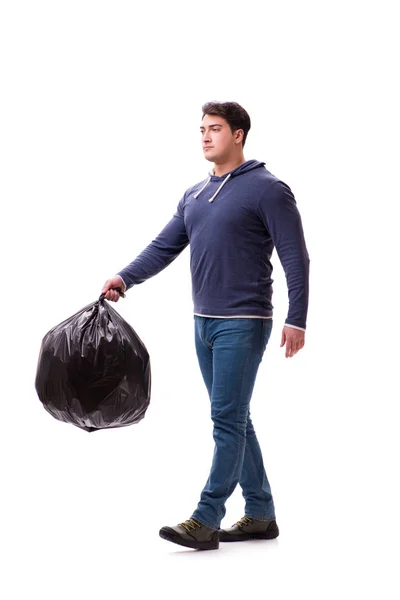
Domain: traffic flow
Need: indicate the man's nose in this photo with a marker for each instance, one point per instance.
(206, 136)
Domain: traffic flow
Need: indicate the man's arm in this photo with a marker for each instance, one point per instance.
(169, 243)
(278, 210)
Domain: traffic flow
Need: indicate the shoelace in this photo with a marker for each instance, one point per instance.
(243, 521)
(190, 524)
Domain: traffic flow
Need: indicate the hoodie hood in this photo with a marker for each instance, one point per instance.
(249, 165)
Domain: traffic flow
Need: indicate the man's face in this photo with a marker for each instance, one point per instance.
(217, 139)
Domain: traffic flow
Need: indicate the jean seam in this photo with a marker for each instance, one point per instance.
(262, 336)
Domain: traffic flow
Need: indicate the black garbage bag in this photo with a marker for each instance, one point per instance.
(94, 371)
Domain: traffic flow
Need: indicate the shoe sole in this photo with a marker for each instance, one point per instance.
(172, 536)
(243, 537)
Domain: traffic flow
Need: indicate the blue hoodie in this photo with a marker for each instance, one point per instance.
(232, 224)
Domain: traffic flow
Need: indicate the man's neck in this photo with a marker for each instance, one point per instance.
(221, 169)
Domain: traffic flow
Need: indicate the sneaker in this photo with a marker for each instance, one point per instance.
(192, 534)
(249, 529)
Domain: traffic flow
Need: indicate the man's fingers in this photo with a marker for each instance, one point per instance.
(110, 295)
(292, 349)
(109, 292)
(109, 288)
(283, 338)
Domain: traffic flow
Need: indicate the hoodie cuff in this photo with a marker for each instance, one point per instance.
(294, 326)
(126, 287)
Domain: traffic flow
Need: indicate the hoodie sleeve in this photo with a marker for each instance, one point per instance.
(279, 213)
(169, 243)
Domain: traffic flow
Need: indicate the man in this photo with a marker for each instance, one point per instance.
(232, 221)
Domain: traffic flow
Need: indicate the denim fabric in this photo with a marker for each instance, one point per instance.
(229, 353)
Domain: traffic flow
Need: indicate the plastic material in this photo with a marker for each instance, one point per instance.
(94, 371)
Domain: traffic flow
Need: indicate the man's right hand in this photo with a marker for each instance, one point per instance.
(112, 294)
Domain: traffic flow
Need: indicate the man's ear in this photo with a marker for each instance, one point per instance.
(239, 133)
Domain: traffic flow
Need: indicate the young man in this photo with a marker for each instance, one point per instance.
(232, 221)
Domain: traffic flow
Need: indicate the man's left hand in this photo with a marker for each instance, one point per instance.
(294, 340)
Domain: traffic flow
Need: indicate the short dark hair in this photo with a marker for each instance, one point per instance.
(232, 112)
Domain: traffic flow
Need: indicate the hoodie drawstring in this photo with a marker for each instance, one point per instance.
(218, 190)
(220, 187)
(206, 183)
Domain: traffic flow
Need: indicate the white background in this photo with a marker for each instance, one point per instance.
(100, 115)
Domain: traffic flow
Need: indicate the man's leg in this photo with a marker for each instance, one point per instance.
(253, 480)
(235, 348)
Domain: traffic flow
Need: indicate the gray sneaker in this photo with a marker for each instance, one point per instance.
(249, 529)
(192, 534)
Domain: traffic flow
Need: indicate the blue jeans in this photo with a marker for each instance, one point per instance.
(229, 353)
